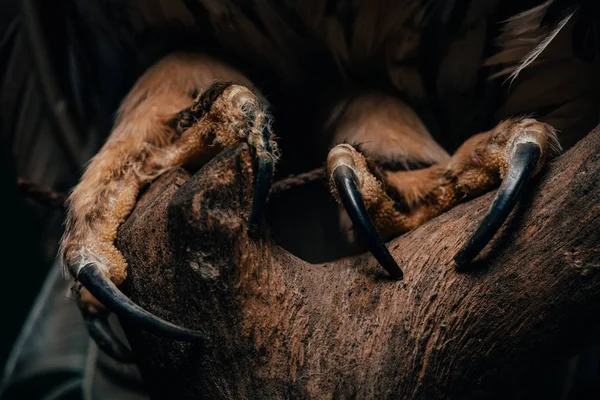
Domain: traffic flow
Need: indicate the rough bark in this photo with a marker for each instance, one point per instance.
(277, 326)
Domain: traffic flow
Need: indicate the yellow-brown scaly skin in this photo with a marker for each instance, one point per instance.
(143, 145)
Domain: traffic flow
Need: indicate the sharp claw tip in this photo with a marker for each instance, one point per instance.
(460, 264)
(462, 259)
(252, 225)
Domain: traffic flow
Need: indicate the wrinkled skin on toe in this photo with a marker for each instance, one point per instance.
(162, 124)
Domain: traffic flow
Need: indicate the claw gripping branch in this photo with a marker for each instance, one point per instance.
(521, 167)
(100, 331)
(260, 137)
(92, 277)
(346, 183)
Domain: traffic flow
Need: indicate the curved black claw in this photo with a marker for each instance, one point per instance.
(263, 178)
(100, 331)
(265, 161)
(520, 168)
(107, 293)
(345, 181)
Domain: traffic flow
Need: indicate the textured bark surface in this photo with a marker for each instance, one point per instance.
(277, 326)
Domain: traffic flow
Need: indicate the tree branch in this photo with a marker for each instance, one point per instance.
(277, 326)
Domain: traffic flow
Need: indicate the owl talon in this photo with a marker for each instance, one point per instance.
(105, 338)
(524, 159)
(341, 166)
(345, 181)
(399, 201)
(261, 139)
(159, 128)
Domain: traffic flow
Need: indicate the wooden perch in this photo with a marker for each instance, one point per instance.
(277, 326)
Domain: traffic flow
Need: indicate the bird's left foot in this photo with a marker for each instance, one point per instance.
(382, 204)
